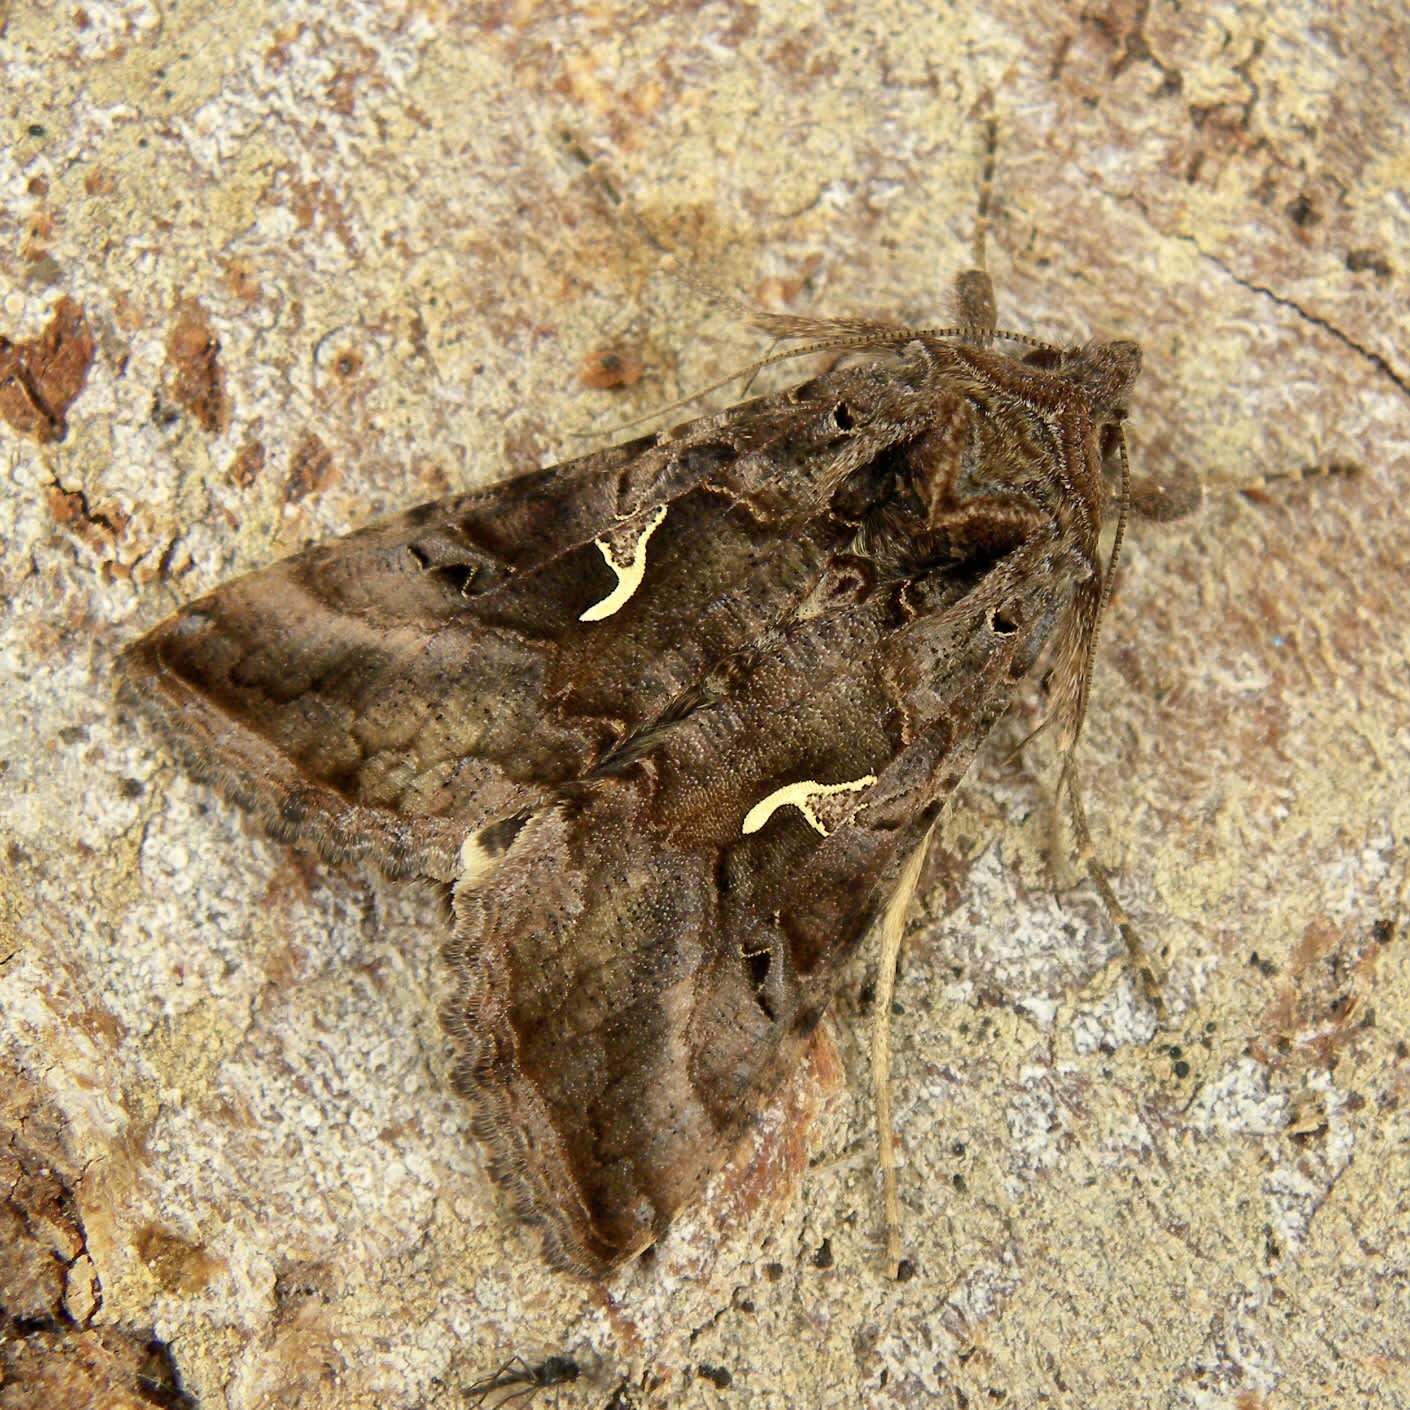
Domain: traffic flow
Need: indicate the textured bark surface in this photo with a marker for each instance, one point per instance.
(334, 265)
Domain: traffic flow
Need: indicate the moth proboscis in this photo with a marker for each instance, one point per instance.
(670, 725)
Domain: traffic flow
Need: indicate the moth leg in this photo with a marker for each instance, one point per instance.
(1161, 501)
(1158, 501)
(986, 188)
(893, 924)
(1139, 956)
(1261, 482)
(974, 290)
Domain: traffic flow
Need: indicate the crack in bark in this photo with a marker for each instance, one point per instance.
(1377, 360)
(85, 511)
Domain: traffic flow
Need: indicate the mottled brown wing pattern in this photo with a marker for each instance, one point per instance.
(670, 721)
(385, 692)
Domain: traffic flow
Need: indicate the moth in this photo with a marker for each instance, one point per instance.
(669, 724)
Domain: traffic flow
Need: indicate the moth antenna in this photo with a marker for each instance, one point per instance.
(882, 335)
(749, 380)
(707, 291)
(893, 927)
(782, 325)
(787, 325)
(827, 334)
(748, 370)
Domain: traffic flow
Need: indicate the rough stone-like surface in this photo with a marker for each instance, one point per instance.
(346, 258)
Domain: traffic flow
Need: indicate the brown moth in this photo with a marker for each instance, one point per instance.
(668, 723)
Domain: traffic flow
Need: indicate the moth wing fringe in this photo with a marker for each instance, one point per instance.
(471, 1018)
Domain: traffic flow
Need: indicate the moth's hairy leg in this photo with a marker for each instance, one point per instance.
(975, 307)
(977, 318)
(990, 128)
(892, 928)
(1325, 471)
(1137, 954)
(1157, 501)
(1163, 501)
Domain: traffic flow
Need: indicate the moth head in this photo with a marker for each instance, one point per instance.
(1106, 372)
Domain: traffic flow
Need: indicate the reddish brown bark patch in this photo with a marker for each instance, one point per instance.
(311, 469)
(608, 368)
(41, 379)
(196, 379)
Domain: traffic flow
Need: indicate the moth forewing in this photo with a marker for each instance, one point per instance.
(669, 722)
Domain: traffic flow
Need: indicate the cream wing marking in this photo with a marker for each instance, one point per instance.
(801, 796)
(475, 862)
(629, 572)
